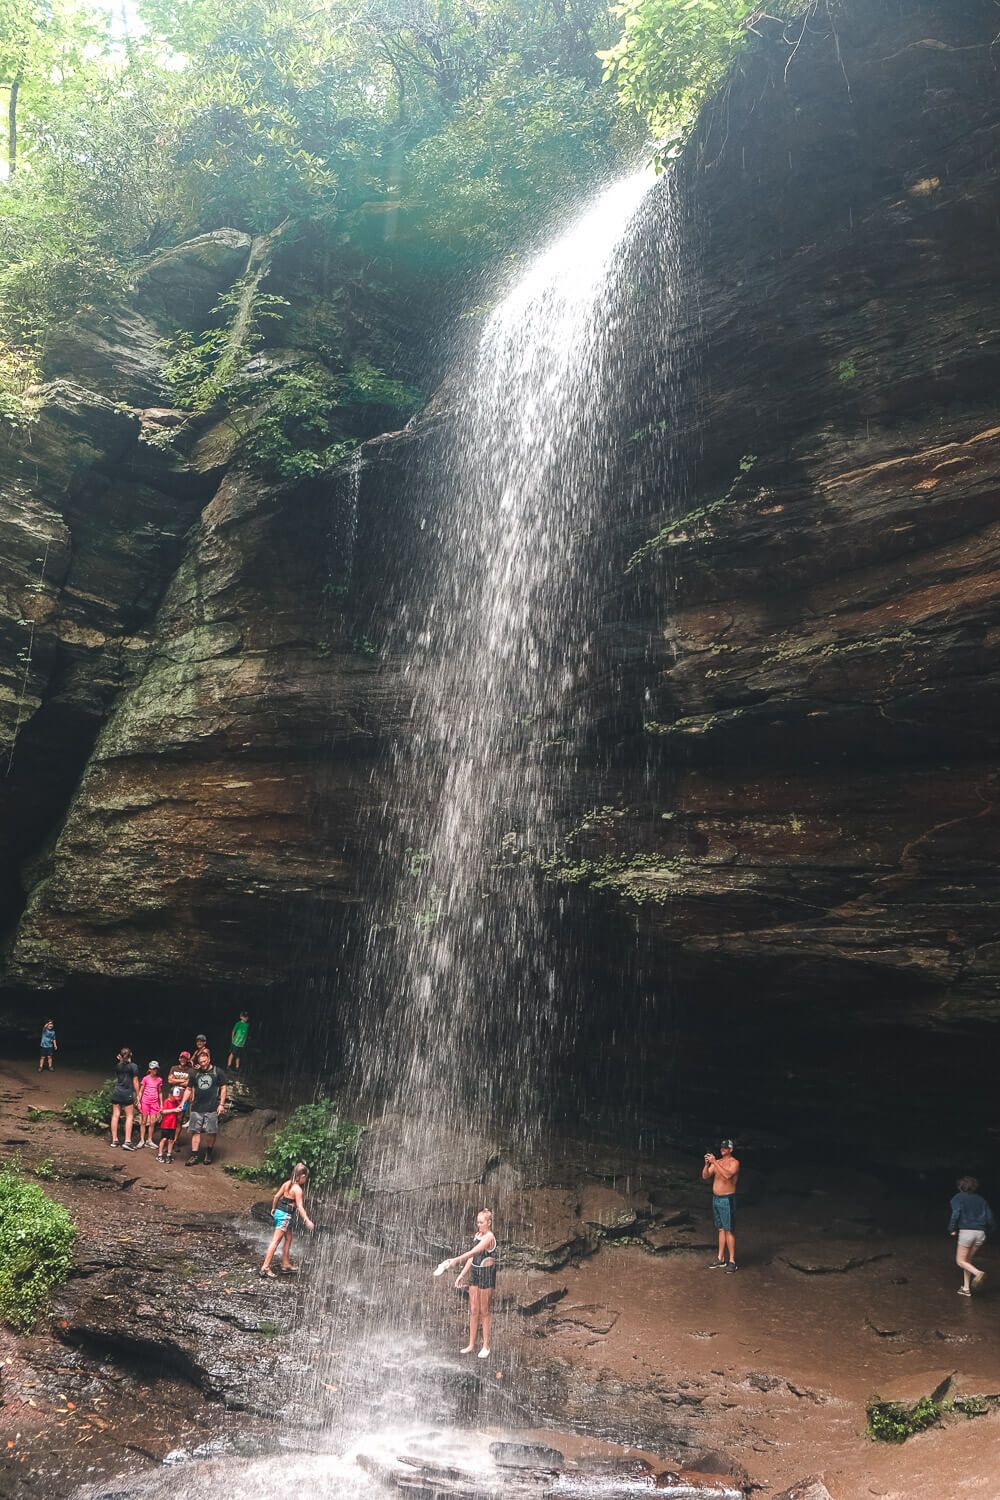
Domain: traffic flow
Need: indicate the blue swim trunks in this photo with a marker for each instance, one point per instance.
(723, 1210)
(281, 1218)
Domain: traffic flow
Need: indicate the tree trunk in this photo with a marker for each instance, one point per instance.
(15, 89)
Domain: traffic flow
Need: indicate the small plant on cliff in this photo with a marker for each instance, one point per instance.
(198, 371)
(36, 1243)
(90, 1111)
(703, 513)
(888, 1422)
(319, 1136)
(297, 433)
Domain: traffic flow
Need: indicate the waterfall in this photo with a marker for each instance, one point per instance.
(458, 989)
(496, 661)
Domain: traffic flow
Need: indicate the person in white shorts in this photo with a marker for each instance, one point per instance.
(971, 1220)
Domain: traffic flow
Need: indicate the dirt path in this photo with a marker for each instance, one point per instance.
(22, 1087)
(72, 1411)
(770, 1368)
(779, 1364)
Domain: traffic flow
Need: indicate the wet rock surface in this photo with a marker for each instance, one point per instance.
(471, 1467)
(177, 1297)
(805, 846)
(789, 710)
(811, 1488)
(832, 1256)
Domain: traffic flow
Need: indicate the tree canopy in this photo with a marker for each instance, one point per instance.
(415, 129)
(424, 137)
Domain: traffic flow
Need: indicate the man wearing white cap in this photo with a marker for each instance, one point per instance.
(723, 1172)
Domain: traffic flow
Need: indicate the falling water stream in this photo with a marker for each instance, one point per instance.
(460, 984)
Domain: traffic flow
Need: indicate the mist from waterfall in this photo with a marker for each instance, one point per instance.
(460, 984)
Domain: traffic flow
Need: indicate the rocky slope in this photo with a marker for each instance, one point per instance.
(793, 726)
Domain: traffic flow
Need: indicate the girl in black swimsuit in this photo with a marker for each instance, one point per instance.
(479, 1274)
(287, 1205)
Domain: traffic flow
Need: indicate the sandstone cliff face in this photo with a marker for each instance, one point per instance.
(813, 857)
(187, 717)
(794, 721)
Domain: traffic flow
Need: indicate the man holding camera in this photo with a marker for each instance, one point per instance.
(723, 1172)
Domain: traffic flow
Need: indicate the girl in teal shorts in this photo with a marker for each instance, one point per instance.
(286, 1204)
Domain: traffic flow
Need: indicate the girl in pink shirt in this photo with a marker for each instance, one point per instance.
(150, 1104)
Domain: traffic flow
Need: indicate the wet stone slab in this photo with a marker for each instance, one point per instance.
(436, 1464)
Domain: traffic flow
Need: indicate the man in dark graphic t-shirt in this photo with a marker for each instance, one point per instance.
(207, 1092)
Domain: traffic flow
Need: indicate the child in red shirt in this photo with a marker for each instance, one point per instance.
(170, 1123)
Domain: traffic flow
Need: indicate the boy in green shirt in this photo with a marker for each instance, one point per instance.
(239, 1040)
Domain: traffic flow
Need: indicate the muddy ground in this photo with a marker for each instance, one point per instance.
(165, 1339)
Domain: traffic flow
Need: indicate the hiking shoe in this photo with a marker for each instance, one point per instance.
(963, 1291)
(114, 1143)
(127, 1146)
(208, 1158)
(717, 1265)
(194, 1161)
(732, 1266)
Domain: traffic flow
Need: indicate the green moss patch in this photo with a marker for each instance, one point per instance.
(36, 1245)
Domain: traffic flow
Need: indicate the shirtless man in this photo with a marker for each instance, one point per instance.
(723, 1172)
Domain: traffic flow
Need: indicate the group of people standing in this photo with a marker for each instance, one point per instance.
(194, 1092)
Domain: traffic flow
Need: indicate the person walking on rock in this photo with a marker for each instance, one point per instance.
(48, 1045)
(286, 1204)
(241, 1031)
(479, 1274)
(124, 1096)
(207, 1093)
(971, 1220)
(723, 1172)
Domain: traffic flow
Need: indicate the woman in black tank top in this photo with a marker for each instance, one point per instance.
(287, 1205)
(479, 1274)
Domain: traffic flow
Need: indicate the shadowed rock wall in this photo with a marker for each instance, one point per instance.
(809, 856)
(793, 708)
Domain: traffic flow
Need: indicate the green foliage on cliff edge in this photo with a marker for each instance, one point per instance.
(36, 1244)
(409, 137)
(891, 1422)
(316, 1134)
(673, 54)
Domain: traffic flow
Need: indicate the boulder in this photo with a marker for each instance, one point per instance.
(184, 282)
(544, 1229)
(811, 1488)
(606, 1211)
(664, 1237)
(116, 352)
(907, 1390)
(508, 1455)
(825, 1257)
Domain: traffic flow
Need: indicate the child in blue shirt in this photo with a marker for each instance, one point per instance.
(971, 1219)
(49, 1045)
